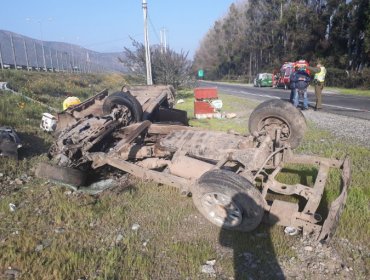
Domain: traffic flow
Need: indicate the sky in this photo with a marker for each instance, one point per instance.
(107, 25)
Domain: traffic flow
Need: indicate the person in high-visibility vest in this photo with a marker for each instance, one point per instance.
(319, 80)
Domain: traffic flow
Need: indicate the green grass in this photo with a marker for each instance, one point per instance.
(91, 236)
(53, 88)
(359, 92)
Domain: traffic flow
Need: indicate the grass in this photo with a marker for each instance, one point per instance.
(360, 92)
(58, 234)
(52, 89)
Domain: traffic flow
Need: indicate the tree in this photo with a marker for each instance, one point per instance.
(259, 35)
(168, 66)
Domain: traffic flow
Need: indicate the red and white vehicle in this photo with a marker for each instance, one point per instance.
(283, 77)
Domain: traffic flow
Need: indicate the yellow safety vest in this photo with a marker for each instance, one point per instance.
(320, 76)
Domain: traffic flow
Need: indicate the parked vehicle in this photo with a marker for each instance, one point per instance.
(263, 80)
(229, 176)
(283, 77)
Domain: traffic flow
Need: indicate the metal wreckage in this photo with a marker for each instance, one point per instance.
(231, 178)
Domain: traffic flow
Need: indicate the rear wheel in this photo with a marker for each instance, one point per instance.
(274, 115)
(8, 149)
(228, 200)
(64, 175)
(124, 99)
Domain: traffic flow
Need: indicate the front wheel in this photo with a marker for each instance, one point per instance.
(275, 114)
(228, 200)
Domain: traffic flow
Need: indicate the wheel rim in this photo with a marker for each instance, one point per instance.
(221, 209)
(272, 124)
(122, 113)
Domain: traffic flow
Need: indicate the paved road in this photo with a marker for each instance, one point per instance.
(341, 104)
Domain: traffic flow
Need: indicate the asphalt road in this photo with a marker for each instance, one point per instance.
(341, 104)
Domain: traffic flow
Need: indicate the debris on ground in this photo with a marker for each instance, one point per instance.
(208, 268)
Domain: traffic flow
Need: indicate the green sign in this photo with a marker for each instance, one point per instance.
(200, 73)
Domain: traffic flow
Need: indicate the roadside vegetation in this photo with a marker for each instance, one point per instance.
(259, 36)
(360, 92)
(142, 230)
(52, 89)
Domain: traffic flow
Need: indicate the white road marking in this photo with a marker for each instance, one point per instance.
(276, 97)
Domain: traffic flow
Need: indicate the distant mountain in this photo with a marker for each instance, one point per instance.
(22, 51)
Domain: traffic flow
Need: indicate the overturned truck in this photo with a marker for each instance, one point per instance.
(231, 178)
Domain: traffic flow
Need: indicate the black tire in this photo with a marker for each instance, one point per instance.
(8, 149)
(228, 200)
(273, 114)
(65, 175)
(125, 99)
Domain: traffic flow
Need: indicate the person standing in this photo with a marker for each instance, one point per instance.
(301, 80)
(292, 86)
(319, 79)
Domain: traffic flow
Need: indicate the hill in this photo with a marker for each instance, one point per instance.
(21, 51)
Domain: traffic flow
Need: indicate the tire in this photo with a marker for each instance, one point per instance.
(273, 114)
(8, 149)
(65, 175)
(127, 100)
(228, 200)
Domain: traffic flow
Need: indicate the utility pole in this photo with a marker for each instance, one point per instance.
(37, 60)
(51, 60)
(161, 34)
(1, 59)
(42, 46)
(163, 40)
(73, 61)
(149, 80)
(12, 43)
(56, 55)
(25, 51)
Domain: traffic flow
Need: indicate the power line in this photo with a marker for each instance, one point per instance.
(110, 41)
(154, 29)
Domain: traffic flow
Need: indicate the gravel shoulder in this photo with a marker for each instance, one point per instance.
(355, 130)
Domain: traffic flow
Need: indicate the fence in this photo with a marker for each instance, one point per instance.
(20, 52)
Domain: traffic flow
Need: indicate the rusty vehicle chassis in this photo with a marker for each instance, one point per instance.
(147, 162)
(232, 178)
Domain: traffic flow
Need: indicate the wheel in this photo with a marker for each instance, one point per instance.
(124, 99)
(277, 114)
(228, 200)
(8, 149)
(65, 175)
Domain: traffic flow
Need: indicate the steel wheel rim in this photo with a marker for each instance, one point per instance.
(221, 209)
(270, 124)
